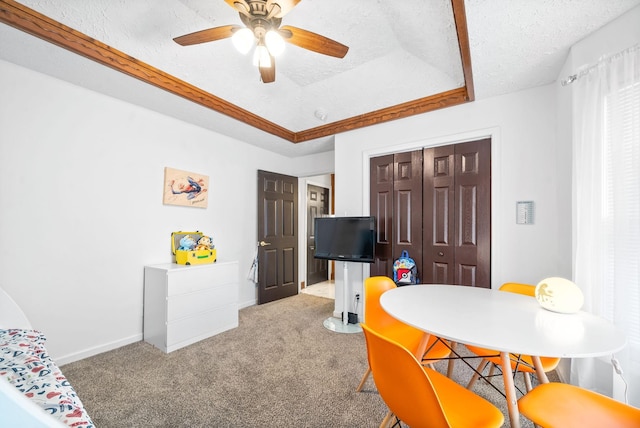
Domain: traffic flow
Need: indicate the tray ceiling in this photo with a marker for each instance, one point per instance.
(404, 58)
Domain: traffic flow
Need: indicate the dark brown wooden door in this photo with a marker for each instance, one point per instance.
(277, 231)
(407, 201)
(444, 221)
(457, 214)
(438, 212)
(473, 213)
(396, 202)
(317, 206)
(381, 206)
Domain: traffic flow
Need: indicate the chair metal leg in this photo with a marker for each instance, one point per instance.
(476, 375)
(364, 379)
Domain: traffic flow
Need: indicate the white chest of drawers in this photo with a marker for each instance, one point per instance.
(185, 304)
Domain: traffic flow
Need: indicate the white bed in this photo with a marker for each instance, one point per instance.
(33, 390)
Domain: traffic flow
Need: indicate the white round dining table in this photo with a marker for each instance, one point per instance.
(503, 321)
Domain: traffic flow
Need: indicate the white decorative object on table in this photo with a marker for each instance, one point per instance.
(559, 295)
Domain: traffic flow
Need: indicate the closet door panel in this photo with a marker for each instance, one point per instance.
(407, 194)
(381, 206)
(438, 215)
(473, 213)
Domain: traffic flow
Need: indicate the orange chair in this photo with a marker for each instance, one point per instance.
(521, 363)
(409, 337)
(562, 405)
(420, 396)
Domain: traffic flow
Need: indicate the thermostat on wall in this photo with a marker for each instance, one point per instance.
(524, 212)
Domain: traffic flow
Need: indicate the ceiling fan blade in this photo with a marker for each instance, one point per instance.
(268, 74)
(313, 42)
(210, 35)
(285, 6)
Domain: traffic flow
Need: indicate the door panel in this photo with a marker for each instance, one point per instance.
(277, 228)
(473, 213)
(381, 206)
(438, 215)
(407, 194)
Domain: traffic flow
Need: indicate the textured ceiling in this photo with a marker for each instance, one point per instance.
(398, 51)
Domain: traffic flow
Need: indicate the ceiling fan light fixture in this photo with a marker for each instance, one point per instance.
(261, 57)
(274, 42)
(243, 40)
(262, 19)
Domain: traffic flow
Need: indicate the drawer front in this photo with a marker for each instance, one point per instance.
(184, 305)
(193, 279)
(202, 325)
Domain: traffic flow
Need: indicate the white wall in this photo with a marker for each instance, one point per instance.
(81, 178)
(527, 164)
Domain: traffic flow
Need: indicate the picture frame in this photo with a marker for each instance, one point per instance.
(184, 188)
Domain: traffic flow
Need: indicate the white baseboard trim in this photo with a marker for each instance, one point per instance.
(67, 359)
(246, 304)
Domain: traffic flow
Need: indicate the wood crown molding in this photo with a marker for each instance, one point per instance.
(28, 20)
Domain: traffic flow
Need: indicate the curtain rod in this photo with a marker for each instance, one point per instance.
(572, 78)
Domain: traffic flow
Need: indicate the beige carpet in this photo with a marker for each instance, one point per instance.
(279, 368)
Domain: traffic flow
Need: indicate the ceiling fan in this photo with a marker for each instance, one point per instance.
(262, 20)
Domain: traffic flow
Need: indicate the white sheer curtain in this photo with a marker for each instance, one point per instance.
(606, 168)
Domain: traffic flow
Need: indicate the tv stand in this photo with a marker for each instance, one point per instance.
(343, 326)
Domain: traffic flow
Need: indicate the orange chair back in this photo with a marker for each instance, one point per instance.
(402, 382)
(378, 319)
(548, 363)
(515, 287)
(374, 315)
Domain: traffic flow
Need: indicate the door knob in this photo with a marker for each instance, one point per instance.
(440, 253)
(262, 243)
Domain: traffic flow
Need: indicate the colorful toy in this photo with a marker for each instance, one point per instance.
(192, 248)
(204, 243)
(187, 243)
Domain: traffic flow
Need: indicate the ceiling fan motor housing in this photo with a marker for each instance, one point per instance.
(260, 18)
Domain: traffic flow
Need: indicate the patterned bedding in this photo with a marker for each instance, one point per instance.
(25, 363)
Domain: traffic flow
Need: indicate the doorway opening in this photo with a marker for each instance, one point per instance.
(318, 202)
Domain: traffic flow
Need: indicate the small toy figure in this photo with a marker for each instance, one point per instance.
(204, 243)
(187, 243)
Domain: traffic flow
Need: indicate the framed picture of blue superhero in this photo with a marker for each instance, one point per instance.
(187, 189)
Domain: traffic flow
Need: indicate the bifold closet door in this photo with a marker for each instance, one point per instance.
(436, 204)
(457, 214)
(396, 202)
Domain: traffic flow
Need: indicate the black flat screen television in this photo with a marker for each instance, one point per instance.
(349, 239)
